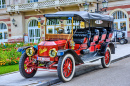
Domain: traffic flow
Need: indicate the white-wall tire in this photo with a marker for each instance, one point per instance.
(62, 67)
(106, 60)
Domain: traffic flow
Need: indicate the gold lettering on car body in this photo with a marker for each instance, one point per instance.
(42, 50)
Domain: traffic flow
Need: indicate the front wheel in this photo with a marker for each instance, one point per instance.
(107, 58)
(66, 68)
(27, 67)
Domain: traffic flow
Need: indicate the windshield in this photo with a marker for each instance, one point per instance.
(60, 26)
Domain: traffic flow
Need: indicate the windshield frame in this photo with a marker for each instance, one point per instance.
(69, 35)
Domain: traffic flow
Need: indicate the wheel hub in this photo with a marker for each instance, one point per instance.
(107, 57)
(29, 66)
(67, 68)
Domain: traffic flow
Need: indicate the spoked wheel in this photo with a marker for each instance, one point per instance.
(107, 59)
(27, 67)
(66, 67)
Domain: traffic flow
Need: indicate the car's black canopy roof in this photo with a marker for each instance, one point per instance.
(80, 15)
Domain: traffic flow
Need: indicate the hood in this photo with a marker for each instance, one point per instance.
(45, 46)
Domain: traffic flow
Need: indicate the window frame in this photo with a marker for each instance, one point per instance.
(3, 26)
(2, 4)
(119, 15)
(33, 23)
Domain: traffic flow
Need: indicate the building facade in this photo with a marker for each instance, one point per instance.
(19, 18)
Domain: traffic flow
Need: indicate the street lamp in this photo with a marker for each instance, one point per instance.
(86, 6)
(39, 19)
(13, 21)
(105, 4)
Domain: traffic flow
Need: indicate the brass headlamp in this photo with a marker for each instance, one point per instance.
(30, 51)
(52, 52)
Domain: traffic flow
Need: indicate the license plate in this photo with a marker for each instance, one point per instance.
(43, 59)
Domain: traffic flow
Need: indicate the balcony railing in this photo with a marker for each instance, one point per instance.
(41, 5)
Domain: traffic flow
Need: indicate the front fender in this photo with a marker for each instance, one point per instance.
(23, 49)
(108, 44)
(64, 52)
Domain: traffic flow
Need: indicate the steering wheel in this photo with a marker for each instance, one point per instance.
(60, 31)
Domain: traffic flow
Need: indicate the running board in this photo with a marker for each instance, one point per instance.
(91, 57)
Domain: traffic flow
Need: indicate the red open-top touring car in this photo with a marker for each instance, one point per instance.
(73, 38)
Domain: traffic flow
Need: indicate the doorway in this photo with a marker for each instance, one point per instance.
(120, 21)
(3, 33)
(33, 31)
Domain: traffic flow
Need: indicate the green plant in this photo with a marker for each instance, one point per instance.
(9, 54)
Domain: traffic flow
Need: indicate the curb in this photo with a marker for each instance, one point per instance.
(121, 58)
(49, 83)
(9, 73)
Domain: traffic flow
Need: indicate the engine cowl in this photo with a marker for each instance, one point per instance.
(45, 46)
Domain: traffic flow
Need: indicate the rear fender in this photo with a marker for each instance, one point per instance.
(105, 45)
(64, 52)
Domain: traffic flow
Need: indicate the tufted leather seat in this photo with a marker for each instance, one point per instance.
(79, 36)
(95, 33)
(102, 32)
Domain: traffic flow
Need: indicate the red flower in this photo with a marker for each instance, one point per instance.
(17, 58)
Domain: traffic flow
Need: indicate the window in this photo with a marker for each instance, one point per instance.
(49, 30)
(37, 32)
(5, 35)
(3, 31)
(53, 22)
(33, 23)
(119, 15)
(123, 26)
(1, 36)
(31, 1)
(2, 26)
(2, 4)
(33, 31)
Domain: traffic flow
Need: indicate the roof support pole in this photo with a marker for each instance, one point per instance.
(89, 22)
(72, 26)
(45, 27)
(72, 47)
(97, 5)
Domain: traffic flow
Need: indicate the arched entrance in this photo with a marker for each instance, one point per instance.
(3, 33)
(120, 21)
(33, 31)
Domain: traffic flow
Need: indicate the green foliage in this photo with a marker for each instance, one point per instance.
(9, 54)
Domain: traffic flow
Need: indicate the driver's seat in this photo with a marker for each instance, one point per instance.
(79, 36)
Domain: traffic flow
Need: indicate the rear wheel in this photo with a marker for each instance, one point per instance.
(122, 41)
(107, 59)
(66, 68)
(27, 67)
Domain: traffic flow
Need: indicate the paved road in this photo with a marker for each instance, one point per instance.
(118, 74)
(45, 76)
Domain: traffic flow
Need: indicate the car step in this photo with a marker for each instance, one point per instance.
(91, 57)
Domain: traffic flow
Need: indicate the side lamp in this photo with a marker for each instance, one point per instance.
(14, 22)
